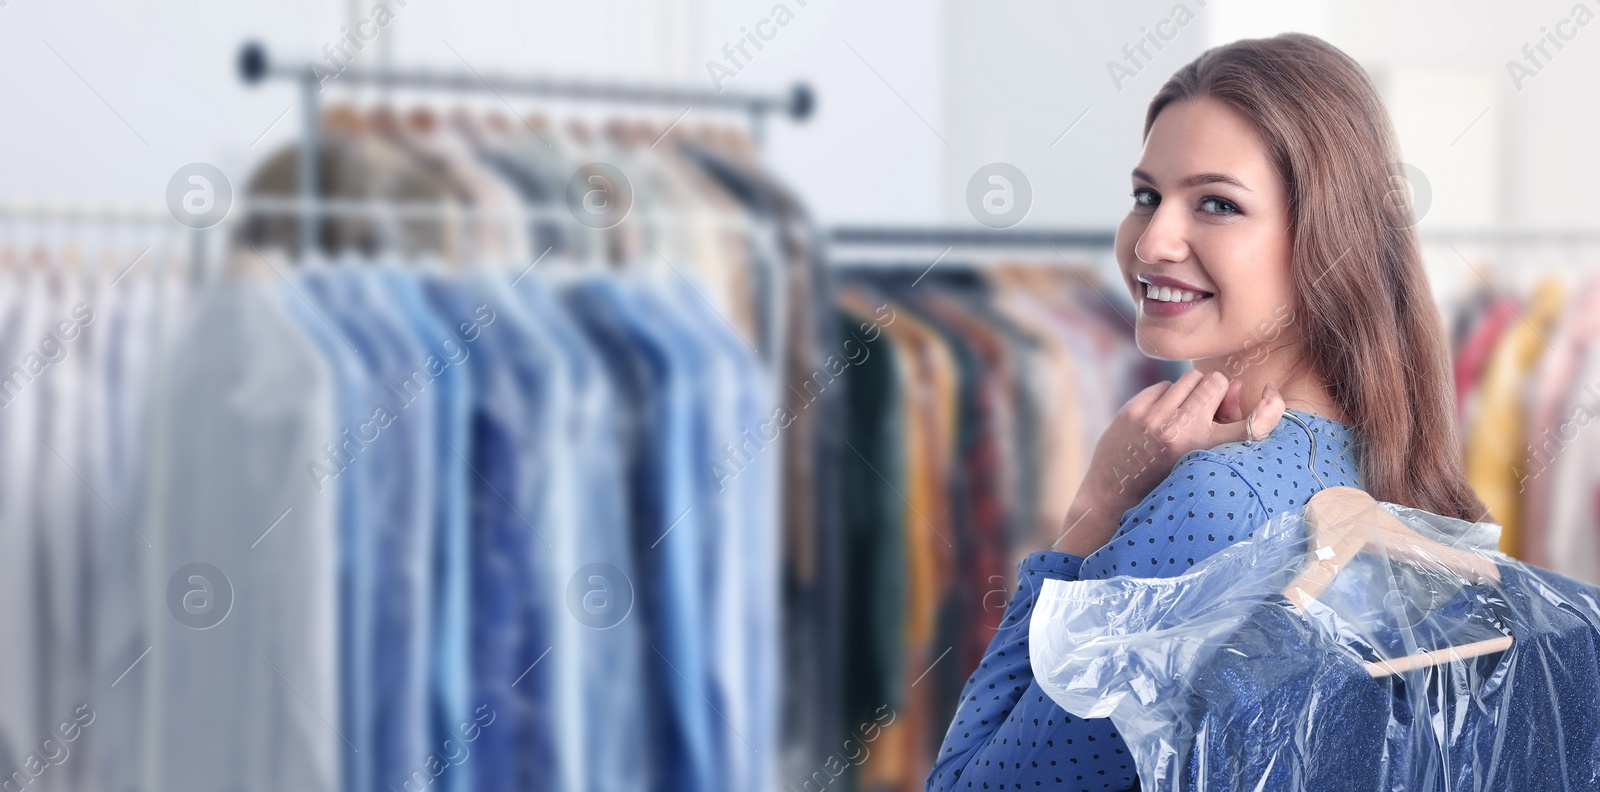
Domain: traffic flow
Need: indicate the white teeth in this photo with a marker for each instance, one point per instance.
(1169, 294)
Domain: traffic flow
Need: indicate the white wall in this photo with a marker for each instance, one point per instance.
(912, 96)
(1022, 74)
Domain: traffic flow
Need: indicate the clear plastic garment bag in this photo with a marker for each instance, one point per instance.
(1351, 644)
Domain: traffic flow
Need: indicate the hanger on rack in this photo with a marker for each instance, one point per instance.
(1344, 521)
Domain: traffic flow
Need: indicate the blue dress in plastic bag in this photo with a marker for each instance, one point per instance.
(1217, 682)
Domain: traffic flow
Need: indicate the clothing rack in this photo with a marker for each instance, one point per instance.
(78, 211)
(798, 103)
(939, 241)
(148, 222)
(256, 66)
(935, 244)
(762, 233)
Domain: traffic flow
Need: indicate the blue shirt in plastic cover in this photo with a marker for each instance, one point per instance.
(1216, 682)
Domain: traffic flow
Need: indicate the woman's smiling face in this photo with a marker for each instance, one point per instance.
(1211, 217)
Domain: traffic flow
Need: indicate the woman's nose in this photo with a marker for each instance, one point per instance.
(1162, 239)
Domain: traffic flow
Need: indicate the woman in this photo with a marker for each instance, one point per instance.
(1265, 246)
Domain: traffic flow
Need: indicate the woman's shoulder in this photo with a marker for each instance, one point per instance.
(1216, 496)
(1303, 454)
(1302, 445)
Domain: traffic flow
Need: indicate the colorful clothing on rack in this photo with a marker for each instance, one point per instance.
(1496, 449)
(961, 393)
(1472, 358)
(1562, 401)
(1565, 464)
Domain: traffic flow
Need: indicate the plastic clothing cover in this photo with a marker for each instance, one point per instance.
(1217, 681)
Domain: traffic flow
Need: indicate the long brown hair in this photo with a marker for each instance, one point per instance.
(1371, 328)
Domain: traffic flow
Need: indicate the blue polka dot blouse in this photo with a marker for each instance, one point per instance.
(1007, 734)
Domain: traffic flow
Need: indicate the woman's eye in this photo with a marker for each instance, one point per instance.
(1145, 197)
(1215, 205)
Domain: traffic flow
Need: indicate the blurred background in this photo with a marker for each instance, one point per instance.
(631, 395)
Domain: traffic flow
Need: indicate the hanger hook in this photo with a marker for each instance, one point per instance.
(1312, 463)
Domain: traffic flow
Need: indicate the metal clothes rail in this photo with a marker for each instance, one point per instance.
(256, 66)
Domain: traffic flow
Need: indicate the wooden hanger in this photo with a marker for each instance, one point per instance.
(1344, 521)
(421, 121)
(619, 132)
(490, 130)
(579, 131)
(344, 118)
(498, 123)
(537, 122)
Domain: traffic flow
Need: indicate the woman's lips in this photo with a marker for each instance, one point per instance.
(1171, 292)
(1153, 307)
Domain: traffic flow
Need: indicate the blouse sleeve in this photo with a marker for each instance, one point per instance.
(1005, 726)
(1007, 730)
(1089, 645)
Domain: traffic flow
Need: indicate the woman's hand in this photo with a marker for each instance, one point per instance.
(1157, 426)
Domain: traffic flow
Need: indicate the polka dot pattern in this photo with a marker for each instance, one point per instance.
(1007, 734)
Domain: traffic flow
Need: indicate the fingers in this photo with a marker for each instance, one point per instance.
(1191, 402)
(1230, 412)
(1206, 409)
(1176, 395)
(1194, 410)
(1259, 423)
(1161, 421)
(1149, 395)
(1207, 397)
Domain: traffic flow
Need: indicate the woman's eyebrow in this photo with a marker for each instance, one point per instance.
(1199, 179)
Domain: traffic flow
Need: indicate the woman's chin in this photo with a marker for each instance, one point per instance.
(1161, 346)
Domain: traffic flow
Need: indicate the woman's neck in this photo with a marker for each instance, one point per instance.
(1300, 389)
